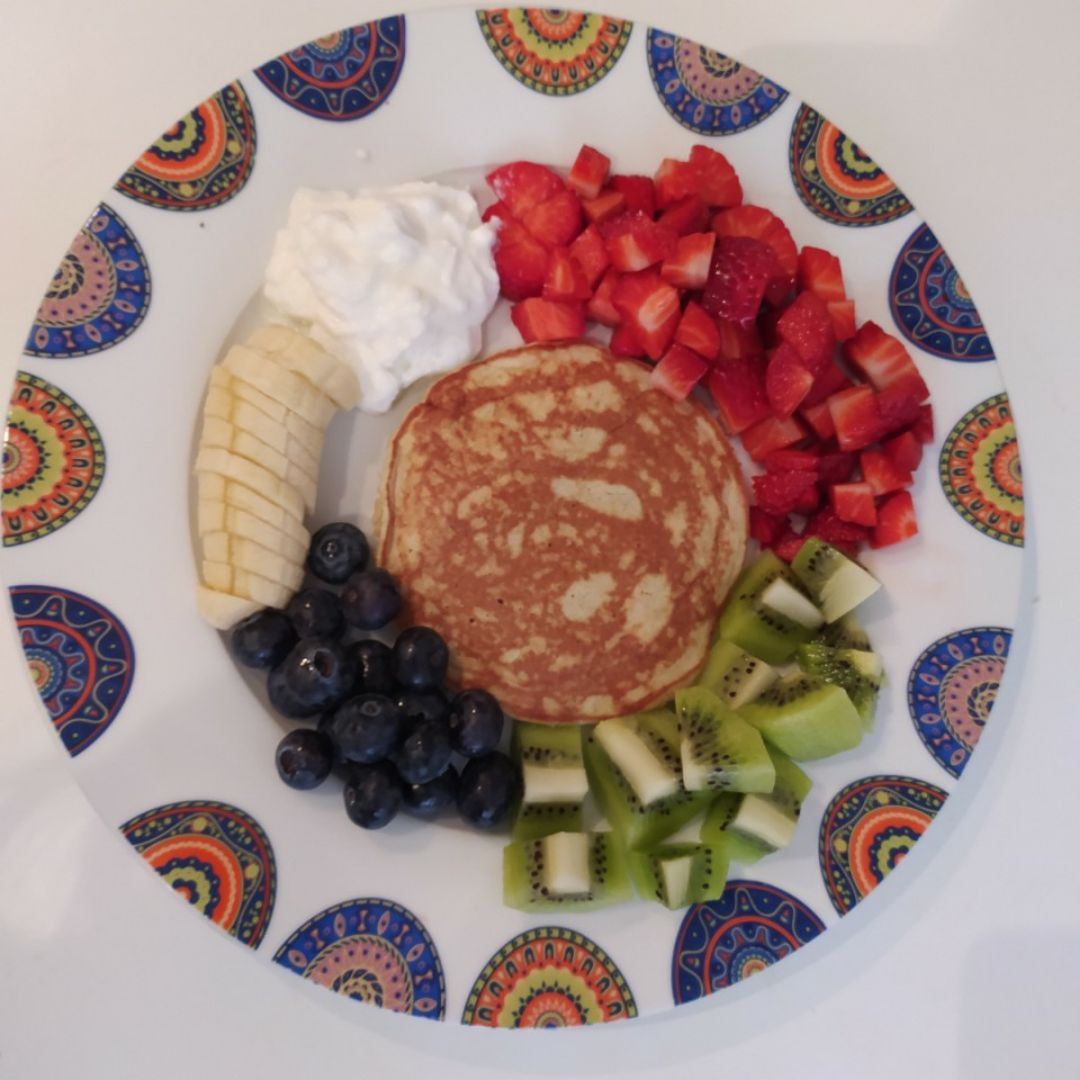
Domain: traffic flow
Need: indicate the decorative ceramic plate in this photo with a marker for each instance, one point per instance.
(165, 735)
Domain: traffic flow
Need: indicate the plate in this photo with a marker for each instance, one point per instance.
(168, 740)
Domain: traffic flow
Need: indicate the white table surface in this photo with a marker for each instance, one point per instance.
(964, 964)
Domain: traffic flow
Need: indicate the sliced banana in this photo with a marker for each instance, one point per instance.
(222, 610)
(298, 352)
(264, 592)
(216, 516)
(242, 554)
(212, 459)
(280, 384)
(218, 500)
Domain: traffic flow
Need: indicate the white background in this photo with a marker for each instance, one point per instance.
(965, 964)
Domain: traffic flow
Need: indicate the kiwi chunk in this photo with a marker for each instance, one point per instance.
(805, 717)
(846, 633)
(734, 675)
(640, 753)
(565, 872)
(836, 583)
(554, 780)
(858, 671)
(720, 751)
(784, 599)
(678, 875)
(637, 825)
(762, 631)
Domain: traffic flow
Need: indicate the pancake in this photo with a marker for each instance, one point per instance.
(570, 530)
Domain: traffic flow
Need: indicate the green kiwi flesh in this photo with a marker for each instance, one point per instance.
(678, 875)
(858, 671)
(734, 675)
(836, 583)
(555, 782)
(846, 633)
(535, 872)
(637, 747)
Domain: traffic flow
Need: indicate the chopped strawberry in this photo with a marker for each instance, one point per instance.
(855, 416)
(766, 528)
(497, 210)
(766, 324)
(881, 473)
(786, 460)
(738, 342)
(686, 216)
(806, 326)
(697, 330)
(905, 451)
(885, 362)
(679, 371)
(737, 387)
(819, 418)
(827, 526)
(674, 181)
(836, 466)
(589, 171)
(759, 224)
(548, 320)
(565, 279)
(788, 545)
(638, 191)
(923, 428)
(520, 260)
(718, 183)
(828, 380)
(624, 342)
(854, 502)
(636, 242)
(555, 221)
(604, 207)
(896, 520)
(897, 409)
(589, 252)
(786, 380)
(842, 315)
(780, 492)
(779, 291)
(769, 434)
(601, 307)
(741, 268)
(688, 265)
(820, 273)
(809, 500)
(521, 185)
(651, 306)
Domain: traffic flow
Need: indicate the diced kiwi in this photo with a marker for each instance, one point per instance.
(784, 599)
(640, 826)
(734, 675)
(858, 671)
(636, 746)
(846, 633)
(805, 717)
(836, 583)
(760, 630)
(678, 875)
(554, 779)
(719, 750)
(565, 872)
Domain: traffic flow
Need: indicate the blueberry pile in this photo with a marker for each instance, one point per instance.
(381, 717)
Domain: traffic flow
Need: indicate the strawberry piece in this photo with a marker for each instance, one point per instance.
(879, 471)
(767, 323)
(521, 185)
(770, 434)
(651, 306)
(741, 268)
(827, 526)
(565, 279)
(521, 261)
(624, 342)
(589, 171)
(766, 528)
(819, 418)
(905, 451)
(688, 265)
(638, 191)
(679, 371)
(809, 500)
(718, 183)
(780, 492)
(820, 273)
(855, 416)
(885, 362)
(636, 242)
(604, 207)
(854, 502)
(738, 390)
(836, 466)
(601, 307)
(674, 181)
(828, 380)
(842, 316)
(806, 326)
(896, 520)
(555, 221)
(786, 380)
(760, 224)
(738, 342)
(589, 252)
(786, 460)
(923, 428)
(897, 410)
(697, 330)
(686, 216)
(788, 545)
(548, 320)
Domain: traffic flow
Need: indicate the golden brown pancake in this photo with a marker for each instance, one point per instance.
(570, 530)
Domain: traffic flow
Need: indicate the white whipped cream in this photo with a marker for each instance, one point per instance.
(394, 281)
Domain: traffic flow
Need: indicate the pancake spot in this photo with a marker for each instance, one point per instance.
(586, 596)
(473, 501)
(649, 607)
(600, 396)
(614, 500)
(567, 531)
(577, 443)
(514, 540)
(541, 535)
(598, 705)
(626, 559)
(539, 404)
(490, 375)
(648, 425)
(675, 523)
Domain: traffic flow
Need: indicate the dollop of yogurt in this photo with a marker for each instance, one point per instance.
(394, 281)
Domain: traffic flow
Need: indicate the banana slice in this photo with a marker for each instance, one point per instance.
(217, 498)
(212, 459)
(222, 610)
(224, 578)
(242, 554)
(297, 352)
(216, 516)
(283, 386)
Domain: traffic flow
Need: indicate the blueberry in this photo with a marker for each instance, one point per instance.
(424, 752)
(476, 722)
(374, 667)
(364, 729)
(337, 552)
(304, 758)
(316, 613)
(317, 675)
(423, 704)
(372, 795)
(420, 658)
(488, 787)
(371, 600)
(283, 699)
(263, 639)
(427, 800)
